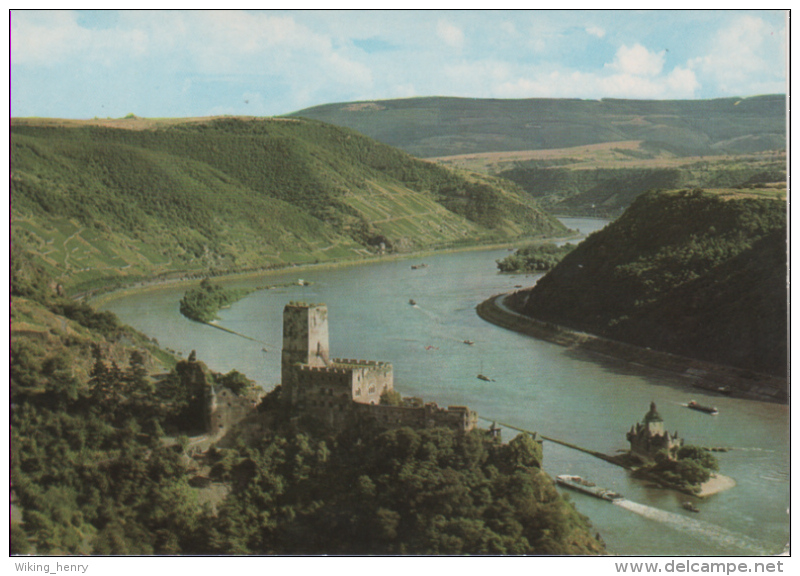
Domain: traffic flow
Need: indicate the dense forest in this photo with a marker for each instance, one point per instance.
(695, 273)
(402, 491)
(691, 467)
(96, 204)
(534, 258)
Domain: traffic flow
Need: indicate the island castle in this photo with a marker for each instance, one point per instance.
(649, 437)
(336, 390)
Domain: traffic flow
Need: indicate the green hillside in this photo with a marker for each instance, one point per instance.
(141, 198)
(694, 273)
(439, 126)
(608, 190)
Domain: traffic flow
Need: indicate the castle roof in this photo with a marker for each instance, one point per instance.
(652, 415)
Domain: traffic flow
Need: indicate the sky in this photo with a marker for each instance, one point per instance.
(85, 64)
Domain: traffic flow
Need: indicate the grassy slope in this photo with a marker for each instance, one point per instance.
(697, 274)
(94, 202)
(429, 127)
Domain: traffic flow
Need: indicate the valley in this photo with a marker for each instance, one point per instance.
(159, 205)
(586, 157)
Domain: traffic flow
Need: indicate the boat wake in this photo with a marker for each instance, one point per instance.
(697, 528)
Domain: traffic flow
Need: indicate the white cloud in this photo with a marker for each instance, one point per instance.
(595, 31)
(452, 35)
(682, 82)
(49, 37)
(187, 60)
(637, 60)
(741, 54)
(199, 42)
(634, 73)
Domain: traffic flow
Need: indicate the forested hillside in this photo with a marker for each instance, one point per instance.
(130, 201)
(99, 462)
(605, 189)
(695, 273)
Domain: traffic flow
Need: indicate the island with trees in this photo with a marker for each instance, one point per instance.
(535, 258)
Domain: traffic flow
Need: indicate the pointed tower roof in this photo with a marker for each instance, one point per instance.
(653, 415)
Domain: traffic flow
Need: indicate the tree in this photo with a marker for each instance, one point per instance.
(391, 398)
(236, 382)
(701, 456)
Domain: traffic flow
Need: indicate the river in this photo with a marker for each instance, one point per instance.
(585, 400)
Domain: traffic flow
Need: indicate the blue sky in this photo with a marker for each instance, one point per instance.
(200, 63)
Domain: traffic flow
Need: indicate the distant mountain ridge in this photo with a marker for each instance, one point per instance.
(445, 126)
(142, 197)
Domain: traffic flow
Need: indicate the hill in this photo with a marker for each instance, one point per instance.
(586, 157)
(100, 461)
(441, 126)
(102, 201)
(579, 186)
(694, 273)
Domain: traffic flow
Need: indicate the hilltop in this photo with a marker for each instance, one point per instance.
(443, 126)
(700, 274)
(586, 157)
(101, 201)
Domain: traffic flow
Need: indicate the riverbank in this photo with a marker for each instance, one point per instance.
(698, 373)
(717, 482)
(175, 279)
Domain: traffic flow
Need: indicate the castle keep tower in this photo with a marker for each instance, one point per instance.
(305, 342)
(649, 437)
(305, 334)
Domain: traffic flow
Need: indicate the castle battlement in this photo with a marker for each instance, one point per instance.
(322, 369)
(356, 362)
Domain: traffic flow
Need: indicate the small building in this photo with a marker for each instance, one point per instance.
(649, 437)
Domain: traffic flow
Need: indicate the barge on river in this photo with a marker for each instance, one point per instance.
(581, 485)
(701, 408)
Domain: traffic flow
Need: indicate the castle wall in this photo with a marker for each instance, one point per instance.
(322, 392)
(645, 443)
(458, 418)
(226, 409)
(370, 379)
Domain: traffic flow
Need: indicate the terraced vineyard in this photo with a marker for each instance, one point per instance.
(97, 205)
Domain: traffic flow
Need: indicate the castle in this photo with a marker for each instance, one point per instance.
(649, 437)
(335, 390)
